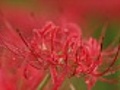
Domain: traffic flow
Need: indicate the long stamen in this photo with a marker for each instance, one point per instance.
(27, 45)
(113, 62)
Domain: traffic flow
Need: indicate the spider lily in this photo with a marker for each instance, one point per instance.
(61, 51)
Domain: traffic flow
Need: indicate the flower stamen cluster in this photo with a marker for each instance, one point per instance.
(65, 53)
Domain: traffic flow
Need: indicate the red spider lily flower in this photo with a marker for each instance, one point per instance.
(63, 52)
(59, 50)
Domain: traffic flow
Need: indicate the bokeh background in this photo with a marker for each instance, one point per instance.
(92, 16)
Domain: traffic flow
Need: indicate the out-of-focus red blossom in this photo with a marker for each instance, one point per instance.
(80, 8)
(12, 73)
(14, 70)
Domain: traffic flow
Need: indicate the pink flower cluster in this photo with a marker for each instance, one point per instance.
(63, 52)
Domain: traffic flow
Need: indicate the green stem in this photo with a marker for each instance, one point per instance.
(44, 82)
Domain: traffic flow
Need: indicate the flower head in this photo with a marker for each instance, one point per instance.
(61, 51)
